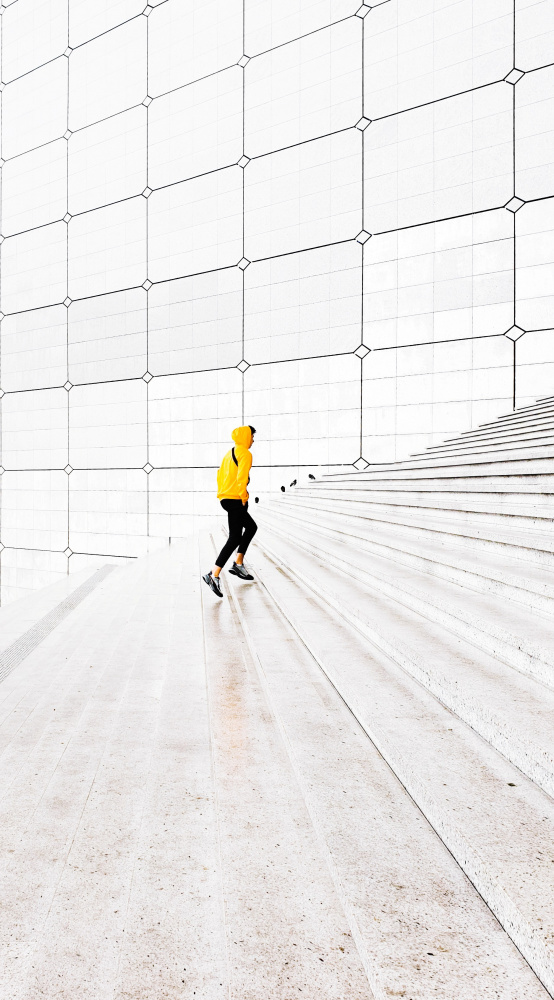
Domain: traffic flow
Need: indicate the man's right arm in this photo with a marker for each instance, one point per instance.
(243, 472)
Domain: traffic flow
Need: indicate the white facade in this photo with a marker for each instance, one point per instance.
(333, 222)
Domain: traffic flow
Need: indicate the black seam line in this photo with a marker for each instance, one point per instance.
(536, 69)
(514, 32)
(192, 371)
(108, 31)
(438, 100)
(129, 288)
(183, 180)
(291, 253)
(76, 131)
(198, 79)
(35, 69)
(311, 357)
(531, 201)
(306, 142)
(431, 343)
(320, 246)
(165, 93)
(446, 218)
(81, 45)
(61, 552)
(133, 107)
(298, 38)
(258, 260)
(170, 468)
(100, 555)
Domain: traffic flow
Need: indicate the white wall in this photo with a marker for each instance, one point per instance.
(173, 212)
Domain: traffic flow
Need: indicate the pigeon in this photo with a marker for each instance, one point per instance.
(256, 499)
(293, 482)
(282, 489)
(310, 476)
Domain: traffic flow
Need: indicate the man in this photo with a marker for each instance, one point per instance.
(232, 480)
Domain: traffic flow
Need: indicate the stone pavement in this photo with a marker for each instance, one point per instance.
(191, 807)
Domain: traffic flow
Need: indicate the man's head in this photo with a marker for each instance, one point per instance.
(244, 435)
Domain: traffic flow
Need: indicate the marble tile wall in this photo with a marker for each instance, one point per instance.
(332, 221)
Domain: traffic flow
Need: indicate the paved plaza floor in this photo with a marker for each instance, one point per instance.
(188, 808)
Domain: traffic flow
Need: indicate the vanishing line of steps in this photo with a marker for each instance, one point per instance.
(454, 643)
(520, 466)
(420, 927)
(472, 742)
(529, 428)
(477, 568)
(518, 536)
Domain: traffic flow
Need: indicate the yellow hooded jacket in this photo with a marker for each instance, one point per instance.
(232, 479)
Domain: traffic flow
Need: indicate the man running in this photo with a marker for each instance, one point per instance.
(232, 480)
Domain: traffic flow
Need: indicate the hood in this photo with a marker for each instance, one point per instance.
(242, 435)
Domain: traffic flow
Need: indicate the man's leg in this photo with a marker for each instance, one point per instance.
(234, 510)
(249, 529)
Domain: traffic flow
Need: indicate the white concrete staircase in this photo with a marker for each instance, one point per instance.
(444, 567)
(336, 782)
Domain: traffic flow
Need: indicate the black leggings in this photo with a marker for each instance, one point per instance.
(242, 529)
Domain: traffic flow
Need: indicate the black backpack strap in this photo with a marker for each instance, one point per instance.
(234, 456)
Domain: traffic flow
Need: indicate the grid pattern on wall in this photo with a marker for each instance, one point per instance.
(332, 221)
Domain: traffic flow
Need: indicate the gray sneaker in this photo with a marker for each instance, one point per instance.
(241, 572)
(213, 583)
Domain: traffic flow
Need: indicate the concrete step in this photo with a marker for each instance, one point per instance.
(544, 449)
(20, 615)
(519, 636)
(494, 467)
(388, 860)
(448, 770)
(492, 574)
(430, 496)
(521, 538)
(511, 711)
(515, 423)
(532, 437)
(490, 445)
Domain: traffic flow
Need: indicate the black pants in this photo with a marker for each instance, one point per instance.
(242, 529)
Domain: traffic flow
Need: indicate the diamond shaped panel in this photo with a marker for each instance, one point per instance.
(514, 333)
(513, 76)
